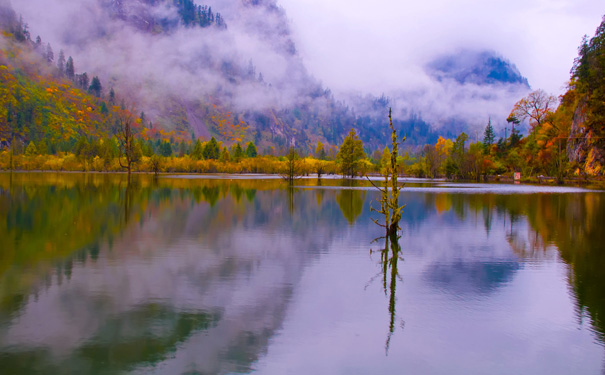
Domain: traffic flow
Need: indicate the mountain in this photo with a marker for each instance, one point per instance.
(231, 70)
(476, 67)
(39, 105)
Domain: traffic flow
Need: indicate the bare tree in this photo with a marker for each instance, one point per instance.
(129, 151)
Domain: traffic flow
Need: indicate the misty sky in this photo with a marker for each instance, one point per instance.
(360, 45)
(352, 47)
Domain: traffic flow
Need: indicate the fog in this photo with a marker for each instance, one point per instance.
(391, 40)
(260, 60)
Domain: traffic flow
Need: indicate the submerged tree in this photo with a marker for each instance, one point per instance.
(389, 202)
(390, 256)
(128, 149)
(293, 168)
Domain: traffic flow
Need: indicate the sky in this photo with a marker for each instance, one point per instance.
(382, 45)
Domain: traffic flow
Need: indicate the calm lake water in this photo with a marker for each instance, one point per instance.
(240, 275)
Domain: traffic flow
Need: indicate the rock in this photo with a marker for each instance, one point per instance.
(580, 144)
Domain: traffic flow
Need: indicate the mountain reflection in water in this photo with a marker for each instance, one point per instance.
(215, 276)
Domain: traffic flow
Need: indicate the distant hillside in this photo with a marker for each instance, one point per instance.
(37, 103)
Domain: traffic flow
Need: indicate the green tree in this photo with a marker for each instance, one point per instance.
(211, 150)
(350, 154)
(95, 87)
(166, 149)
(31, 149)
(293, 168)
(237, 152)
(515, 136)
(70, 70)
(225, 157)
(198, 151)
(251, 150)
(385, 160)
(488, 136)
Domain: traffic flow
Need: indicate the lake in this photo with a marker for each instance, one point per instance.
(241, 274)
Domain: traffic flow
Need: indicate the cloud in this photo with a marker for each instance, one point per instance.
(353, 48)
(187, 63)
(384, 43)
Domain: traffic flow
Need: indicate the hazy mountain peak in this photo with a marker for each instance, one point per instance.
(476, 67)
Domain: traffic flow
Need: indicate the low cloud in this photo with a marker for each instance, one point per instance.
(352, 49)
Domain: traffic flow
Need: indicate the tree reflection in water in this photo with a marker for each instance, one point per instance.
(390, 256)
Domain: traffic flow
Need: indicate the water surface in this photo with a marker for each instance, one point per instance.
(240, 275)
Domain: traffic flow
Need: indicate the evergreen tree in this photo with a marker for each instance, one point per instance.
(61, 63)
(166, 149)
(212, 150)
(515, 136)
(237, 152)
(38, 45)
(95, 87)
(251, 150)
(198, 152)
(50, 56)
(225, 155)
(488, 135)
(112, 97)
(83, 81)
(70, 71)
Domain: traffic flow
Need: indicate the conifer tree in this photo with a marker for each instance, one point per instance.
(488, 136)
(112, 96)
(225, 157)
(61, 63)
(95, 88)
(198, 151)
(237, 152)
(50, 56)
(70, 71)
(212, 150)
(251, 150)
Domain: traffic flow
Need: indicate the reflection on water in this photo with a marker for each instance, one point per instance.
(218, 276)
(390, 256)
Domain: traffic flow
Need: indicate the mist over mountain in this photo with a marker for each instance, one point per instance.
(476, 67)
(187, 65)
